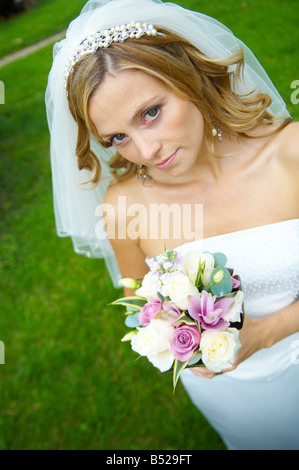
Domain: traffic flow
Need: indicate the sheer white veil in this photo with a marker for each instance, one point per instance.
(75, 206)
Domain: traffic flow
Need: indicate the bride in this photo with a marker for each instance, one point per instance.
(165, 107)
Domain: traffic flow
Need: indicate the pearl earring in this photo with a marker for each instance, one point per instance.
(217, 132)
(141, 175)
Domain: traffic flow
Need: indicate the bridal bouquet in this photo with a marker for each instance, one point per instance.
(186, 312)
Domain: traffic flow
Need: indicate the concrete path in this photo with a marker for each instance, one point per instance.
(30, 49)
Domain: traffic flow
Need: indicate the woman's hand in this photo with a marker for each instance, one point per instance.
(203, 372)
(259, 333)
(253, 337)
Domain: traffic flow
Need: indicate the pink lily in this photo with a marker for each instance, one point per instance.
(204, 309)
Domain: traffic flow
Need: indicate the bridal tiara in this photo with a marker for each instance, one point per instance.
(104, 39)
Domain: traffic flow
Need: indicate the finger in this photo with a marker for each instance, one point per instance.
(203, 372)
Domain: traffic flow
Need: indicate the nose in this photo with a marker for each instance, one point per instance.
(148, 146)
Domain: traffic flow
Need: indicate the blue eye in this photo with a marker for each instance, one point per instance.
(117, 139)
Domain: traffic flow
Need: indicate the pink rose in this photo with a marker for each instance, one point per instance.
(149, 311)
(184, 342)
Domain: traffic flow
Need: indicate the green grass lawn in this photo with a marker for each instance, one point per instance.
(47, 18)
(68, 382)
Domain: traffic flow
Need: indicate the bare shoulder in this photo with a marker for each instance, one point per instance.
(288, 146)
(130, 257)
(114, 191)
(117, 199)
(122, 189)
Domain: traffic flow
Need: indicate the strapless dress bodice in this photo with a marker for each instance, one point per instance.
(267, 260)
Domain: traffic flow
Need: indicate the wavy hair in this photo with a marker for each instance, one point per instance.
(208, 83)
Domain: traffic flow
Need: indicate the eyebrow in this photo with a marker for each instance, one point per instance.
(146, 105)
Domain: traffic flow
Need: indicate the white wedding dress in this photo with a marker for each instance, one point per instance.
(256, 406)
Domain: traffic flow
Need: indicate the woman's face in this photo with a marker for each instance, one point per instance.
(147, 123)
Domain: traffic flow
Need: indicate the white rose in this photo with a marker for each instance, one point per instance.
(219, 348)
(179, 288)
(153, 341)
(191, 262)
(148, 288)
(234, 311)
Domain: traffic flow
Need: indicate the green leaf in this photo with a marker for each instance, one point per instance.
(177, 369)
(160, 296)
(185, 319)
(198, 279)
(225, 286)
(132, 321)
(195, 359)
(220, 259)
(134, 301)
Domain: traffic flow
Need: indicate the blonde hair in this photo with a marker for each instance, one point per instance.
(187, 71)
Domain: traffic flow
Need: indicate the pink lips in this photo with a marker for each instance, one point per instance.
(167, 162)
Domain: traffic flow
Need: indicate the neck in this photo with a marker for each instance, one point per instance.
(208, 166)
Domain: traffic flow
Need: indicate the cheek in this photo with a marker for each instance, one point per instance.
(186, 121)
(130, 153)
